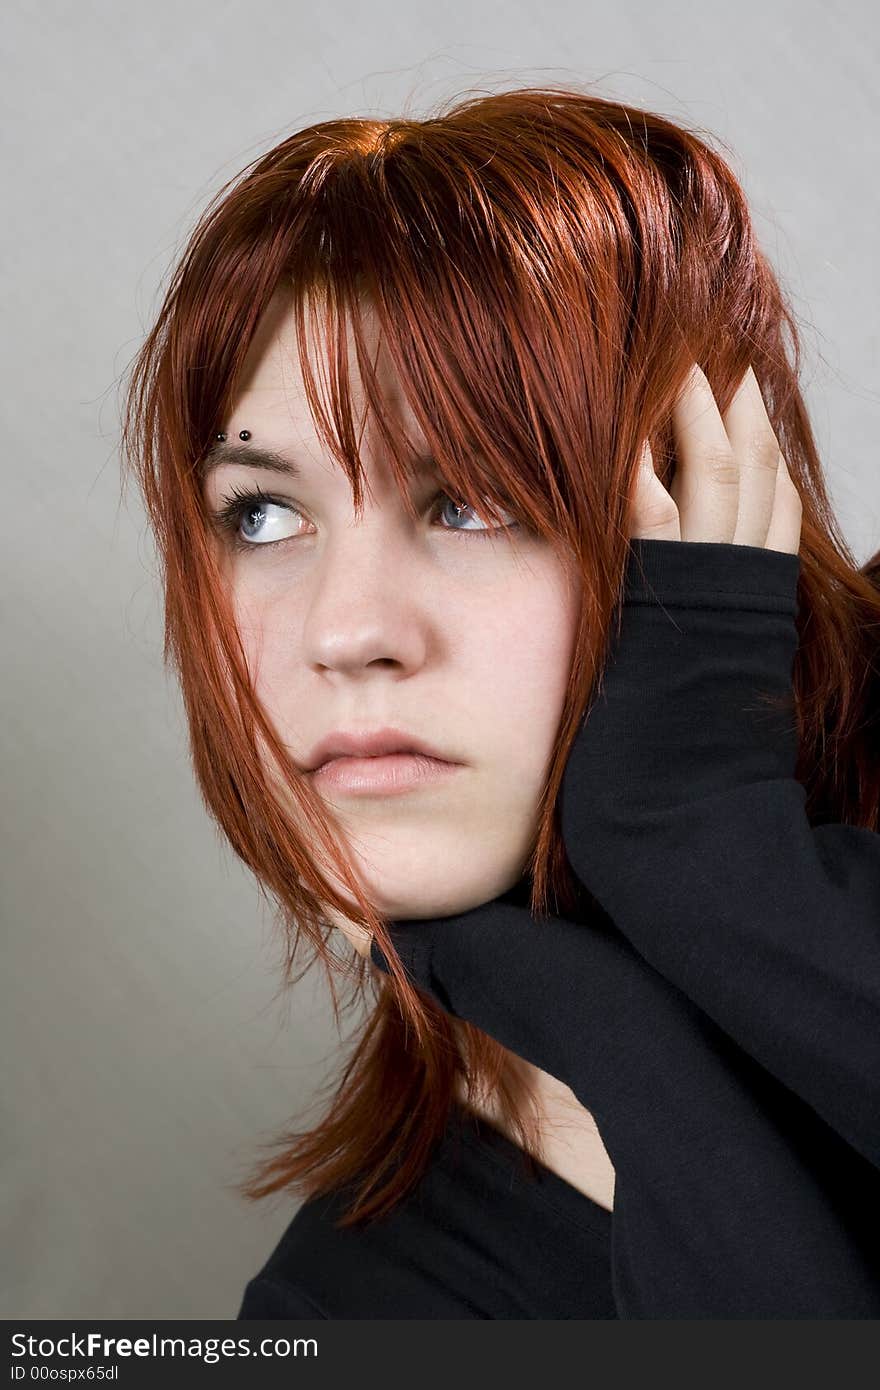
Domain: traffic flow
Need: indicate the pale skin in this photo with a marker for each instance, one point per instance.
(731, 485)
(464, 640)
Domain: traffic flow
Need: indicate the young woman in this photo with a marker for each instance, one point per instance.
(528, 661)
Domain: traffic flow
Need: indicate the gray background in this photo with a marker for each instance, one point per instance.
(144, 1054)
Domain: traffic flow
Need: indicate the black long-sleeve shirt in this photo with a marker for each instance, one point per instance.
(714, 1002)
(477, 1238)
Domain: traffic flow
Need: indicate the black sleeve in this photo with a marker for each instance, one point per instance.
(265, 1297)
(681, 814)
(716, 1214)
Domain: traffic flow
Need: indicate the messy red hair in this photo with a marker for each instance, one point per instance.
(545, 265)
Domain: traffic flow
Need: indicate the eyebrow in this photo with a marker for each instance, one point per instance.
(248, 456)
(253, 456)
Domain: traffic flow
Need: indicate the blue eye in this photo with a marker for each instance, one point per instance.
(253, 507)
(461, 507)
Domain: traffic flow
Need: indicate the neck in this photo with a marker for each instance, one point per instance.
(571, 1145)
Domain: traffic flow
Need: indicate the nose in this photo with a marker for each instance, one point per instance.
(367, 606)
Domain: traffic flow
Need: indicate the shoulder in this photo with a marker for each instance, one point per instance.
(320, 1269)
(275, 1297)
(309, 1253)
(417, 1260)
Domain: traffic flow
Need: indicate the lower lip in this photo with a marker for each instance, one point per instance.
(386, 776)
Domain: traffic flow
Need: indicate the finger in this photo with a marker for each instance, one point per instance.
(784, 532)
(653, 513)
(756, 448)
(707, 485)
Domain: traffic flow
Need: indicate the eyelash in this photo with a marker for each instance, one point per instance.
(227, 518)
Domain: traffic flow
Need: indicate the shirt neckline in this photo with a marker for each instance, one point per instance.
(566, 1199)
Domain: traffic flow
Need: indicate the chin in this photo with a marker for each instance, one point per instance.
(426, 906)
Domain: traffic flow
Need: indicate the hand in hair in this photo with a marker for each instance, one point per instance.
(731, 482)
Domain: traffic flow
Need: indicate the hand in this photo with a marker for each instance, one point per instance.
(731, 484)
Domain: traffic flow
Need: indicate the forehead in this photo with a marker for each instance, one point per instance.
(271, 380)
(271, 402)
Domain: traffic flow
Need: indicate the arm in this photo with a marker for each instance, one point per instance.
(716, 1212)
(681, 814)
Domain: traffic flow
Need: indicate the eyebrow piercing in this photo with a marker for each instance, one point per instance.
(242, 434)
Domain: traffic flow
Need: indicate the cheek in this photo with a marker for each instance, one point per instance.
(528, 653)
(524, 663)
(269, 638)
(249, 618)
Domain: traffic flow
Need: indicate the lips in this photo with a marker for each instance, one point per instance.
(392, 774)
(374, 744)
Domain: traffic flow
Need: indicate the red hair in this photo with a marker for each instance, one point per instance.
(544, 265)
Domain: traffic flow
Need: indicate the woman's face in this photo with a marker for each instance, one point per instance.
(459, 634)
